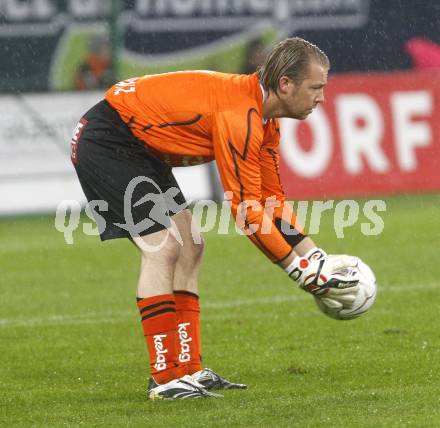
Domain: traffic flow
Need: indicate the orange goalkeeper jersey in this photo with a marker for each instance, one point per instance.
(192, 117)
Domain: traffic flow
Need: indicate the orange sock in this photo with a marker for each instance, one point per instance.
(188, 331)
(159, 321)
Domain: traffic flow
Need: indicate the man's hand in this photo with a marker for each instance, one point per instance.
(326, 276)
(315, 254)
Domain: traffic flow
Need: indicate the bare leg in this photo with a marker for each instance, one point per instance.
(157, 267)
(191, 254)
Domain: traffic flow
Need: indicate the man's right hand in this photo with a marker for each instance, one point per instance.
(327, 277)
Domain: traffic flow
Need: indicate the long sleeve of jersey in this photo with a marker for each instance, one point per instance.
(249, 169)
(273, 198)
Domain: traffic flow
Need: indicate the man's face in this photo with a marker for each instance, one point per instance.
(299, 99)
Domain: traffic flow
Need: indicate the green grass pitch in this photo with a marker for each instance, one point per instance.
(73, 354)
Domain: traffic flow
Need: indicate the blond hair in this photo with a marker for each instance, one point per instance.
(291, 57)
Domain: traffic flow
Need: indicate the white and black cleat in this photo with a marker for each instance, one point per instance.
(211, 381)
(184, 388)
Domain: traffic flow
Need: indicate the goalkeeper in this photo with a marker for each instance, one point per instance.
(124, 149)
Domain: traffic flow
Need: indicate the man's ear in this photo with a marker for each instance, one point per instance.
(284, 84)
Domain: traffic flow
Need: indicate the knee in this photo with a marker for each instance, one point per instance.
(168, 252)
(196, 249)
(171, 251)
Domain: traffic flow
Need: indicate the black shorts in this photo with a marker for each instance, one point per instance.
(131, 191)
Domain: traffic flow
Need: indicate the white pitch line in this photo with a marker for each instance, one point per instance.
(115, 317)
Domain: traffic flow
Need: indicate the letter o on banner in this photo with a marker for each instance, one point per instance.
(311, 163)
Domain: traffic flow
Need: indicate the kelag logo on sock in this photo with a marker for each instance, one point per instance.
(184, 342)
(160, 352)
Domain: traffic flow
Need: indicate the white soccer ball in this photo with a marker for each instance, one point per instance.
(364, 299)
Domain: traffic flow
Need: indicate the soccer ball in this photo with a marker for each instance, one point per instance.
(365, 297)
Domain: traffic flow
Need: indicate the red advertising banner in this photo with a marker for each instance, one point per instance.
(375, 134)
